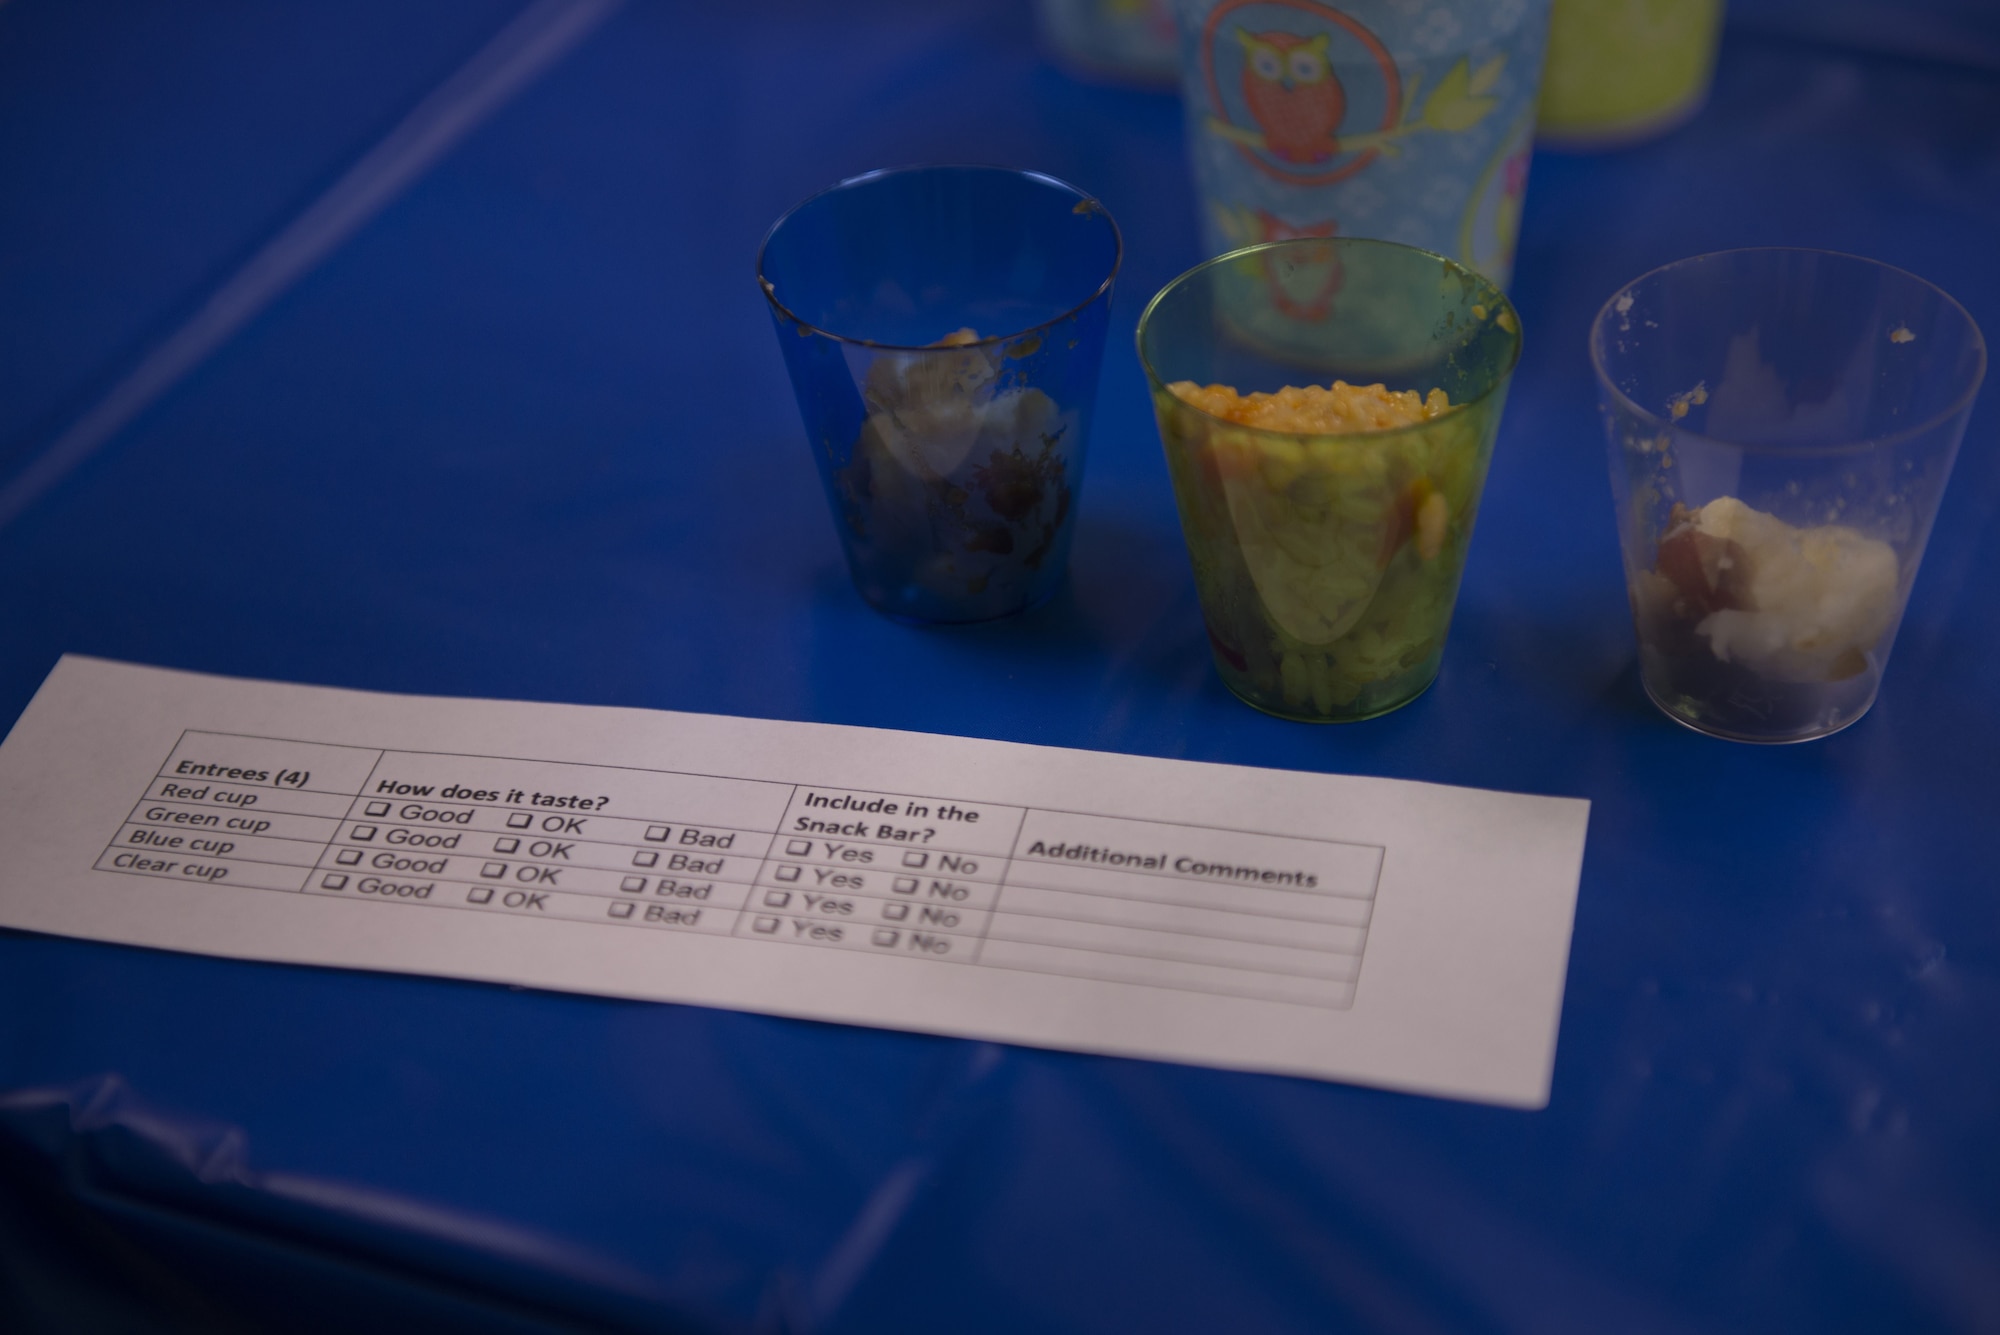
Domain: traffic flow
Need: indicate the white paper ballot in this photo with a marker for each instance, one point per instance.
(1390, 933)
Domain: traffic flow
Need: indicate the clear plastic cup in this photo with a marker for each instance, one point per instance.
(1327, 565)
(943, 327)
(1781, 426)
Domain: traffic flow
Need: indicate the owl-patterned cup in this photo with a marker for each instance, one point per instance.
(943, 327)
(1401, 120)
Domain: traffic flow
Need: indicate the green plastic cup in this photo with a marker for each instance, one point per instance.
(1327, 565)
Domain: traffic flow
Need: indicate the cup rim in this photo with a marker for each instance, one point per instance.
(1086, 203)
(1359, 242)
(1862, 445)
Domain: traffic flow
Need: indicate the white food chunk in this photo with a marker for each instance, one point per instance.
(1811, 601)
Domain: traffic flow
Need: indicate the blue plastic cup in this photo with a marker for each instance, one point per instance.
(943, 327)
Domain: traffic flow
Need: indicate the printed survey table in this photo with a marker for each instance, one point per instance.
(953, 880)
(1403, 934)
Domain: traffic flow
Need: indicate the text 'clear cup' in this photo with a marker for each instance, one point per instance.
(1327, 564)
(1781, 426)
(943, 327)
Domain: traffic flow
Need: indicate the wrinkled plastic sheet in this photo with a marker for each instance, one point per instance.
(455, 457)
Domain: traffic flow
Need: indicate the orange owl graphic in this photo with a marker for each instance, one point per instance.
(1297, 102)
(1293, 94)
(1310, 292)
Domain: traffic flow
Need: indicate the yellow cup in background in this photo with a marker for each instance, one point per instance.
(1622, 71)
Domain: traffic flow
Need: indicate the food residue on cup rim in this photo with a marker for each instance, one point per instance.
(1677, 406)
(1623, 305)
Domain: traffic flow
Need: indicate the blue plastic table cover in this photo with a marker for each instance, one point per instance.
(415, 347)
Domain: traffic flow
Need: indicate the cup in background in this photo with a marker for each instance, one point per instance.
(1376, 118)
(1116, 41)
(943, 328)
(1781, 425)
(1623, 71)
(1327, 565)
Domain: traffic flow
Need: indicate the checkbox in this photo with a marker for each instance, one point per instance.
(376, 809)
(334, 882)
(480, 894)
(623, 909)
(799, 848)
(764, 925)
(777, 899)
(787, 872)
(507, 845)
(656, 833)
(885, 937)
(363, 832)
(633, 884)
(494, 870)
(520, 820)
(895, 912)
(916, 859)
(646, 859)
(348, 857)
(906, 885)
